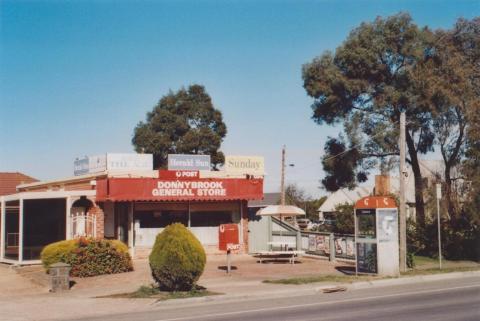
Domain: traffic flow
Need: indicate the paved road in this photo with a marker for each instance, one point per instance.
(457, 299)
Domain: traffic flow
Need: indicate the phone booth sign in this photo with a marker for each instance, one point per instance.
(228, 237)
(376, 235)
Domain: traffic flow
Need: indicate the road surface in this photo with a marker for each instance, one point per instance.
(454, 299)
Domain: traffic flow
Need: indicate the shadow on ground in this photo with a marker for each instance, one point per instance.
(345, 269)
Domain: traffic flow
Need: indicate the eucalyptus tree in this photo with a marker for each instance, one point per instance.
(384, 68)
(365, 85)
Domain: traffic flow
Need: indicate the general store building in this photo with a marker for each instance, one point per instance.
(130, 205)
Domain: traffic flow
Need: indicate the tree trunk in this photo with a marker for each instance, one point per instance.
(419, 201)
(448, 193)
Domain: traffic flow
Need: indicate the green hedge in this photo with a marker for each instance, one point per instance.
(54, 252)
(177, 259)
(89, 257)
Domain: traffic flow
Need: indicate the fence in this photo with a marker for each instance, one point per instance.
(83, 225)
(314, 243)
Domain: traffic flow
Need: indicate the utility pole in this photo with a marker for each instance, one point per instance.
(403, 220)
(439, 196)
(282, 182)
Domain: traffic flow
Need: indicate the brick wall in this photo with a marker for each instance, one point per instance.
(100, 221)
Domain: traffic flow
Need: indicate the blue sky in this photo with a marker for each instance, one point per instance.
(77, 76)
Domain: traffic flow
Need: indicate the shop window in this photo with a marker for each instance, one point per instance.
(160, 219)
(43, 223)
(204, 219)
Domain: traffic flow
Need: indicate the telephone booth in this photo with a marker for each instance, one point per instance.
(376, 236)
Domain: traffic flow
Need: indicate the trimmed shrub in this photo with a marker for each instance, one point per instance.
(119, 246)
(54, 252)
(90, 257)
(177, 259)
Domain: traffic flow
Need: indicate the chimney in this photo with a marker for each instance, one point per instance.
(382, 185)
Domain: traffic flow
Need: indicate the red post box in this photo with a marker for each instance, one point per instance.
(228, 237)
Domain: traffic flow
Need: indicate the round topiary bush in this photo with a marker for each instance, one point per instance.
(89, 257)
(177, 259)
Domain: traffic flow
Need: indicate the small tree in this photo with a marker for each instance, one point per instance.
(177, 259)
(344, 221)
(297, 196)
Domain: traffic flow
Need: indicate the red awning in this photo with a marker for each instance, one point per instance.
(195, 189)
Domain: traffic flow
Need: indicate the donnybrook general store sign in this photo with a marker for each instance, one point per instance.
(189, 188)
(178, 186)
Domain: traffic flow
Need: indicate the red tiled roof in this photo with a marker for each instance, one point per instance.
(9, 182)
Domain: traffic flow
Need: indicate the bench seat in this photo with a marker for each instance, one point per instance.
(279, 255)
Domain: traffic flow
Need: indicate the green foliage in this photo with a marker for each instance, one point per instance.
(460, 239)
(89, 257)
(386, 67)
(294, 195)
(410, 260)
(119, 246)
(342, 170)
(177, 259)
(344, 220)
(184, 122)
(54, 252)
(366, 84)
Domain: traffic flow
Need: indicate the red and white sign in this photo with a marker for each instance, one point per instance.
(376, 202)
(233, 247)
(174, 175)
(181, 189)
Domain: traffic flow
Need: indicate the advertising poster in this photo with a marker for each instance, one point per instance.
(366, 257)
(340, 246)
(312, 244)
(320, 243)
(350, 247)
(387, 225)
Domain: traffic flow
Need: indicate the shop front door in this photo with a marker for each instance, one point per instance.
(121, 222)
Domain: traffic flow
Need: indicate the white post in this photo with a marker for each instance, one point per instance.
(403, 221)
(439, 196)
(240, 235)
(189, 216)
(282, 182)
(20, 231)
(355, 232)
(131, 228)
(2, 230)
(68, 218)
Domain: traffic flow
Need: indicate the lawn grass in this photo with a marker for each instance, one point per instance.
(438, 271)
(424, 266)
(150, 292)
(423, 260)
(323, 278)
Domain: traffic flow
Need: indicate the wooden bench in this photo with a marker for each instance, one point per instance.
(279, 255)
